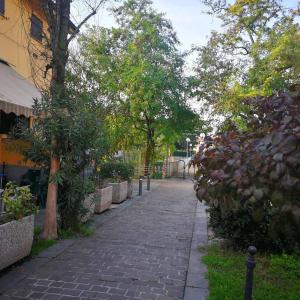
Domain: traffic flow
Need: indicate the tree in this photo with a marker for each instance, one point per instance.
(144, 74)
(58, 18)
(258, 54)
(81, 142)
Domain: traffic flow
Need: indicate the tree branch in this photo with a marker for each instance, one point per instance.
(243, 48)
(92, 13)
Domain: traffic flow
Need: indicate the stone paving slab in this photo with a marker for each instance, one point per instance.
(140, 250)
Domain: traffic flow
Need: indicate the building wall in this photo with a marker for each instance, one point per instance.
(28, 57)
(19, 49)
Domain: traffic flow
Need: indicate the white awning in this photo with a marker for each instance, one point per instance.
(16, 93)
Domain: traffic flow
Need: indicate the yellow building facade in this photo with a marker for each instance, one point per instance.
(23, 58)
(23, 45)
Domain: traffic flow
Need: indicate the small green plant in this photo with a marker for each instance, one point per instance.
(88, 187)
(86, 231)
(157, 175)
(39, 244)
(80, 230)
(18, 201)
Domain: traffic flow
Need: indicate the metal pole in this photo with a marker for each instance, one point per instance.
(148, 183)
(250, 263)
(140, 186)
(187, 149)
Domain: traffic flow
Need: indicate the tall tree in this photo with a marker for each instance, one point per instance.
(143, 69)
(61, 34)
(257, 53)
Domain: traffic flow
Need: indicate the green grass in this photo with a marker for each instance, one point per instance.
(276, 277)
(82, 230)
(40, 245)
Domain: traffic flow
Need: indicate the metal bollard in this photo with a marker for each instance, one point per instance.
(250, 263)
(148, 183)
(140, 186)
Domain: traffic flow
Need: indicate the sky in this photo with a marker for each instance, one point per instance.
(192, 24)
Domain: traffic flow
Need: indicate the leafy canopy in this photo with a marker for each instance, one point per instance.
(258, 54)
(142, 73)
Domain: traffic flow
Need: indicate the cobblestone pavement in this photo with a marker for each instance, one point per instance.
(140, 251)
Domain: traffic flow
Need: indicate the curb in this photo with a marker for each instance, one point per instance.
(196, 287)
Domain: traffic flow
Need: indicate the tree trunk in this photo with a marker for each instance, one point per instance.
(149, 152)
(50, 223)
(59, 30)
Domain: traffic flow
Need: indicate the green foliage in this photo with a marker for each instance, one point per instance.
(275, 276)
(251, 180)
(157, 175)
(86, 231)
(71, 196)
(116, 170)
(257, 54)
(76, 122)
(80, 230)
(138, 67)
(18, 201)
(39, 245)
(89, 187)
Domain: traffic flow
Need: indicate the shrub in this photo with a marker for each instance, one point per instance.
(157, 175)
(116, 170)
(18, 201)
(251, 180)
(71, 201)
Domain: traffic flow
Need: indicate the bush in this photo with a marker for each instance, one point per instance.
(157, 175)
(71, 201)
(116, 170)
(18, 201)
(251, 180)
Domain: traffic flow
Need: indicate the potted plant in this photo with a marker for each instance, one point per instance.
(126, 172)
(113, 173)
(16, 224)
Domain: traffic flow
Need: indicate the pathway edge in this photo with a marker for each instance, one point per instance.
(196, 287)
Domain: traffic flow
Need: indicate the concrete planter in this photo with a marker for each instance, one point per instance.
(16, 239)
(89, 206)
(103, 199)
(129, 188)
(119, 191)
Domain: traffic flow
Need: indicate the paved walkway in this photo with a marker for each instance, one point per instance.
(141, 250)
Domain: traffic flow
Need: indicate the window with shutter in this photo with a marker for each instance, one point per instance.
(36, 29)
(2, 7)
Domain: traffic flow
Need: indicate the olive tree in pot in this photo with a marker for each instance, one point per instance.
(16, 224)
